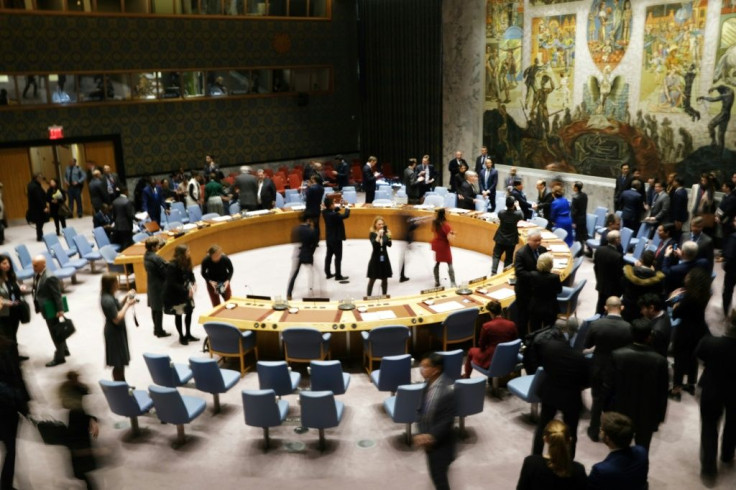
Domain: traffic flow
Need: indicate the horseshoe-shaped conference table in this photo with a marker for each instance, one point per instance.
(415, 311)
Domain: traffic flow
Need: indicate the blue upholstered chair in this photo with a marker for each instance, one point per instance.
(226, 340)
(560, 232)
(434, 200)
(60, 272)
(320, 411)
(469, 397)
(575, 249)
(140, 237)
(173, 225)
(126, 402)
(568, 300)
(69, 233)
(383, 194)
(459, 326)
(385, 341)
(453, 363)
(109, 254)
(63, 258)
(503, 363)
(233, 208)
(577, 262)
(20, 272)
(24, 256)
(303, 344)
(527, 388)
(174, 408)
(626, 235)
(102, 239)
(194, 212)
(591, 220)
(276, 376)
(403, 408)
(177, 216)
(180, 212)
(450, 200)
(261, 409)
(577, 342)
(441, 191)
(600, 220)
(539, 221)
(351, 197)
(84, 248)
(50, 239)
(328, 376)
(636, 254)
(394, 372)
(208, 377)
(279, 200)
(166, 373)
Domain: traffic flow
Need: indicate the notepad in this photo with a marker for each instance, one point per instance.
(372, 316)
(458, 210)
(502, 294)
(257, 212)
(445, 307)
(548, 235)
(558, 248)
(559, 263)
(222, 218)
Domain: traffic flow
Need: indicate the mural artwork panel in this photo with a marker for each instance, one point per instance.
(504, 35)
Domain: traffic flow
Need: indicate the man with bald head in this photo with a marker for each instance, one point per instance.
(525, 262)
(47, 289)
(605, 335)
(247, 189)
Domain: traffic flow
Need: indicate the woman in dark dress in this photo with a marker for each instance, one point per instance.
(507, 235)
(441, 247)
(546, 285)
(379, 267)
(117, 354)
(56, 197)
(179, 292)
(10, 298)
(459, 177)
(556, 470)
(689, 307)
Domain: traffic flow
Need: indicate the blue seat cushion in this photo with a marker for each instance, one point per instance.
(143, 400)
(195, 406)
(283, 407)
(520, 387)
(183, 372)
(390, 405)
(230, 378)
(295, 379)
(340, 406)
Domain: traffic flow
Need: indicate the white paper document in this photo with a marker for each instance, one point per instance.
(548, 235)
(556, 247)
(559, 263)
(371, 316)
(502, 294)
(222, 218)
(445, 307)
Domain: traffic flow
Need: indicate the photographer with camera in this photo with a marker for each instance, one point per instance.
(217, 270)
(117, 354)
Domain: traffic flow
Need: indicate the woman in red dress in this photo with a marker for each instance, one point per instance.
(493, 332)
(441, 247)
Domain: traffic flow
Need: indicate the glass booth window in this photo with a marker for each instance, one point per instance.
(170, 85)
(50, 5)
(262, 81)
(95, 88)
(282, 81)
(63, 88)
(33, 89)
(110, 6)
(145, 86)
(119, 85)
(192, 84)
(163, 7)
(241, 82)
(8, 92)
(189, 7)
(234, 7)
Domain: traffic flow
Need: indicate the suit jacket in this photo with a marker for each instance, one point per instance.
(468, 194)
(705, 248)
(566, 375)
(98, 193)
(480, 163)
(247, 186)
(335, 225)
(492, 181)
(36, 202)
(661, 334)
(369, 180)
(719, 357)
(153, 199)
(47, 289)
(675, 273)
(606, 334)
(156, 271)
(423, 185)
(437, 418)
(544, 202)
(659, 253)
(660, 209)
(579, 211)
(636, 384)
(545, 288)
(507, 234)
(525, 262)
(307, 237)
(268, 194)
(123, 212)
(678, 205)
(632, 205)
(622, 183)
(524, 205)
(313, 200)
(453, 166)
(114, 181)
(608, 265)
(410, 181)
(624, 468)
(343, 174)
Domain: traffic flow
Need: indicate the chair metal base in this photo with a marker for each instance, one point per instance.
(216, 397)
(134, 428)
(463, 433)
(321, 440)
(266, 439)
(407, 434)
(181, 437)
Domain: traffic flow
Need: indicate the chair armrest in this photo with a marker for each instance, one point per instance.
(326, 336)
(364, 334)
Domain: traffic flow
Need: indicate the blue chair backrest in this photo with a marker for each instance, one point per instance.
(16, 267)
(234, 208)
(575, 249)
(395, 371)
(25, 257)
(600, 213)
(461, 324)
(643, 230)
(639, 248)
(169, 405)
(389, 340)
(141, 236)
(441, 191)
(505, 358)
(350, 196)
(480, 204)
(655, 242)
(408, 403)
(469, 396)
(210, 216)
(100, 237)
(591, 221)
(119, 398)
(207, 375)
(195, 212)
(348, 188)
(108, 253)
(327, 376)
(274, 375)
(578, 341)
(318, 409)
(289, 192)
(383, 194)
(224, 337)
(60, 254)
(570, 279)
(576, 293)
(453, 363)
(50, 264)
(626, 235)
(539, 221)
(161, 369)
(536, 383)
(302, 342)
(179, 206)
(50, 239)
(260, 408)
(279, 200)
(83, 246)
(69, 234)
(176, 215)
(434, 200)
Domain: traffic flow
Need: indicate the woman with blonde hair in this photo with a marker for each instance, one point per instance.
(556, 470)
(379, 267)
(546, 285)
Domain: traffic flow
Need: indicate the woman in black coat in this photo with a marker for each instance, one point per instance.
(10, 298)
(546, 285)
(379, 267)
(556, 470)
(507, 235)
(179, 292)
(56, 197)
(117, 354)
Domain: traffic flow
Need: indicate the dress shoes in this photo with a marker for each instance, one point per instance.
(162, 333)
(329, 276)
(23, 358)
(690, 389)
(675, 395)
(341, 278)
(55, 362)
(403, 279)
(183, 341)
(192, 338)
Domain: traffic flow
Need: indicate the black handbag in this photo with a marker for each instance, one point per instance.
(53, 432)
(24, 311)
(64, 329)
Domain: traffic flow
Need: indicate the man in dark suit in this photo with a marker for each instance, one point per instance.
(480, 162)
(665, 232)
(579, 211)
(726, 211)
(342, 172)
(152, 199)
(436, 419)
(625, 466)
(651, 307)
(454, 167)
(605, 335)
(608, 265)
(544, 199)
(659, 211)
(678, 206)
(38, 206)
(565, 377)
(247, 190)
(623, 182)
(718, 395)
(632, 206)
(636, 383)
(675, 272)
(266, 194)
(467, 191)
(369, 179)
(313, 202)
(123, 212)
(47, 288)
(488, 180)
(518, 193)
(334, 236)
(305, 235)
(410, 182)
(111, 182)
(97, 192)
(705, 243)
(612, 222)
(525, 262)
(426, 176)
(729, 266)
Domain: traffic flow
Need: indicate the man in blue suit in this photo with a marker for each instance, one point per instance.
(632, 206)
(626, 466)
(488, 180)
(518, 193)
(675, 272)
(153, 199)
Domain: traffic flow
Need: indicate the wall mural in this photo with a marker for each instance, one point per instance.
(550, 2)
(674, 124)
(504, 35)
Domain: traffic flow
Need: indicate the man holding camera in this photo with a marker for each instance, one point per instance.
(217, 270)
(334, 236)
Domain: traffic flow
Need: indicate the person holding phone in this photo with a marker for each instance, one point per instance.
(379, 267)
(117, 354)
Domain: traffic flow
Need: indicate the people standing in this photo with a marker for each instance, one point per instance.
(179, 291)
(215, 195)
(156, 280)
(480, 161)
(608, 265)
(10, 301)
(47, 289)
(217, 271)
(623, 182)
(525, 261)
(74, 178)
(369, 179)
(507, 235)
(56, 198)
(454, 166)
(123, 212)
(379, 266)
(517, 192)
(334, 236)
(467, 191)
(307, 238)
(436, 419)
(626, 466)
(426, 175)
(560, 215)
(579, 211)
(545, 285)
(410, 182)
(152, 200)
(557, 469)
(117, 354)
(194, 187)
(97, 192)
(266, 191)
(247, 186)
(488, 180)
(342, 172)
(313, 202)
(441, 247)
(112, 183)
(38, 206)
